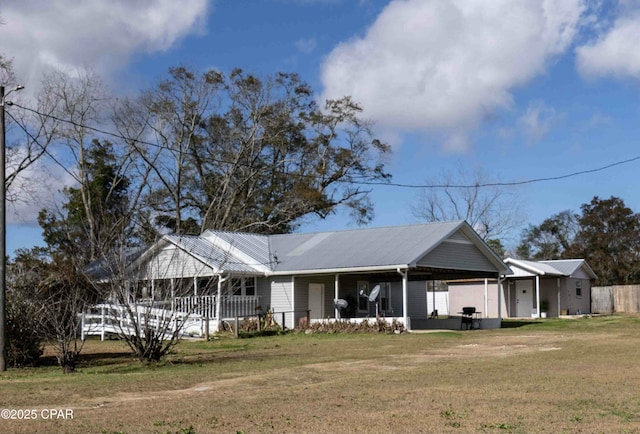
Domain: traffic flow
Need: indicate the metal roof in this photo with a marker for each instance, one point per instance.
(368, 247)
(559, 267)
(533, 267)
(570, 266)
(357, 249)
(213, 255)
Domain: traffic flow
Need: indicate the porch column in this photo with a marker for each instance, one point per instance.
(195, 286)
(558, 292)
(405, 298)
(219, 299)
(500, 297)
(173, 293)
(486, 296)
(293, 304)
(538, 296)
(336, 286)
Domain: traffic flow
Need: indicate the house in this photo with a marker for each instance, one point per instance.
(558, 287)
(221, 275)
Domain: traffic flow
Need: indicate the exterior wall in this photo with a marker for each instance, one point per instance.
(469, 294)
(417, 299)
(302, 295)
(280, 296)
(457, 254)
(473, 294)
(171, 262)
(578, 304)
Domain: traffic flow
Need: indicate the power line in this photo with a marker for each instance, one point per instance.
(353, 180)
(506, 184)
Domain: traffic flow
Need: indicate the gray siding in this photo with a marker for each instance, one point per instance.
(578, 304)
(302, 295)
(457, 256)
(417, 299)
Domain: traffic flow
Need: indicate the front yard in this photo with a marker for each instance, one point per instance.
(550, 376)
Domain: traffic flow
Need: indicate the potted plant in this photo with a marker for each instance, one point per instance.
(544, 308)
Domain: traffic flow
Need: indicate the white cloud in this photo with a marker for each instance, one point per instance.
(444, 65)
(538, 120)
(306, 45)
(614, 52)
(37, 187)
(73, 35)
(101, 35)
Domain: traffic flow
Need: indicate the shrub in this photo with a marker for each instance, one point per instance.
(24, 334)
(368, 325)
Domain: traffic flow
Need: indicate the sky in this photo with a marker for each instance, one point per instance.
(521, 90)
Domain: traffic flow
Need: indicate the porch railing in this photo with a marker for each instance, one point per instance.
(231, 306)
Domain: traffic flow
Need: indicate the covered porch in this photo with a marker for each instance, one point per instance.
(401, 295)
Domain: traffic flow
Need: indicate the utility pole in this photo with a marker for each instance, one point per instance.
(3, 242)
(3, 234)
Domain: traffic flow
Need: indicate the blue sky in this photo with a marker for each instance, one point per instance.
(519, 89)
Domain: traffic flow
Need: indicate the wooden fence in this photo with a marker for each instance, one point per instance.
(616, 298)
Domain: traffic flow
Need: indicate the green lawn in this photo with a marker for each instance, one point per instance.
(579, 375)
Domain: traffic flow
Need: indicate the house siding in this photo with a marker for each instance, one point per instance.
(280, 292)
(457, 256)
(417, 299)
(302, 295)
(171, 262)
(578, 304)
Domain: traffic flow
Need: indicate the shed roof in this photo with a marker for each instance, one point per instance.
(570, 266)
(560, 267)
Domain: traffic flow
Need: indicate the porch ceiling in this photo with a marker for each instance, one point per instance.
(423, 273)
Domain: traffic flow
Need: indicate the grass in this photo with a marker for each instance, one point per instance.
(533, 376)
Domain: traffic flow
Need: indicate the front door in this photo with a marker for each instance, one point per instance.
(524, 298)
(316, 300)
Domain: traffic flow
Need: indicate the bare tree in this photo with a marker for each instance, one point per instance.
(56, 293)
(494, 211)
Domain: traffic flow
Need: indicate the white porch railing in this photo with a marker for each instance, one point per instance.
(117, 319)
(231, 306)
(187, 314)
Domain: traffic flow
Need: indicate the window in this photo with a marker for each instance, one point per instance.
(242, 286)
(250, 286)
(578, 288)
(385, 297)
(363, 296)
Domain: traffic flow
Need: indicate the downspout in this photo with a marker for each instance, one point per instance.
(405, 299)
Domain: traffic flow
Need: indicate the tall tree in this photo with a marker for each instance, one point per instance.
(95, 218)
(493, 210)
(242, 153)
(609, 238)
(552, 239)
